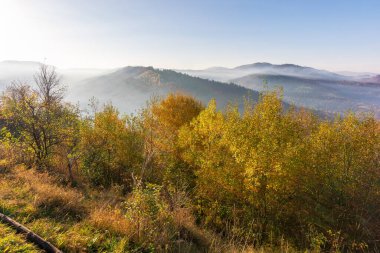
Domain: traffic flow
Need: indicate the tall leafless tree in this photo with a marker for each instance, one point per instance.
(49, 85)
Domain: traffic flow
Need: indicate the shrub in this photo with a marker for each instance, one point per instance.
(150, 217)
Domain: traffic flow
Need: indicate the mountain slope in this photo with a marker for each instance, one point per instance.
(129, 88)
(323, 95)
(290, 70)
(371, 80)
(304, 86)
(228, 74)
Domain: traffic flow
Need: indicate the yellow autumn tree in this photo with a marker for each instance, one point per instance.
(162, 121)
(276, 171)
(219, 179)
(111, 148)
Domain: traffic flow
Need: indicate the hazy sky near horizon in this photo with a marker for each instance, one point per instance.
(194, 34)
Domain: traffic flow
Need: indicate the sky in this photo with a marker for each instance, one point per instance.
(192, 34)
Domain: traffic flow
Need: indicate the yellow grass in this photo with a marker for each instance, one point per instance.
(50, 196)
(112, 220)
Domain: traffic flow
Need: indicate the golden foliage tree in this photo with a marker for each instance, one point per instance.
(277, 171)
(111, 148)
(162, 121)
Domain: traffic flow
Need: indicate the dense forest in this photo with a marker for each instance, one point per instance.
(182, 176)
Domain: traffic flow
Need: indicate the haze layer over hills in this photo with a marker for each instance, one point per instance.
(304, 86)
(130, 87)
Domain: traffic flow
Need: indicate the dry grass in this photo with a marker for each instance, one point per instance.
(40, 202)
(166, 231)
(15, 197)
(56, 200)
(112, 220)
(185, 223)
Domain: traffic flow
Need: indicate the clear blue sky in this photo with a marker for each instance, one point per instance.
(334, 34)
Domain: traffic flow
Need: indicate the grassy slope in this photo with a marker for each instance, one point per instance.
(56, 213)
(10, 242)
(94, 221)
(88, 220)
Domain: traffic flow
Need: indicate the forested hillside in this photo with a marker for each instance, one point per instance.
(185, 176)
(129, 88)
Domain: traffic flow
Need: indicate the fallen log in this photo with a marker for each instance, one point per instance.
(30, 236)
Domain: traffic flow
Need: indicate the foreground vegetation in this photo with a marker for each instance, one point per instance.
(182, 177)
(11, 242)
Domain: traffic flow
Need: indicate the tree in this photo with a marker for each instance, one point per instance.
(111, 148)
(50, 89)
(39, 118)
(220, 193)
(161, 122)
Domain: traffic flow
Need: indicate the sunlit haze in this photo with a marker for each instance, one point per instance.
(334, 35)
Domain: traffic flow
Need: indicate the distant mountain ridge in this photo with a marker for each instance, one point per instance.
(131, 87)
(373, 79)
(227, 74)
(304, 86)
(290, 70)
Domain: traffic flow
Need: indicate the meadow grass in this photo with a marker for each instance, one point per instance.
(10, 242)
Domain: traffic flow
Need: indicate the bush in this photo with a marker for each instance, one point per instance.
(150, 218)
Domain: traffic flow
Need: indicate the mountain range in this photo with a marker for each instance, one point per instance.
(130, 87)
(304, 86)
